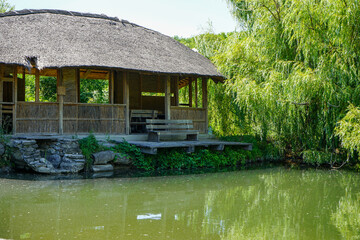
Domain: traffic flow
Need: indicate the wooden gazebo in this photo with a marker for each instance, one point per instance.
(144, 70)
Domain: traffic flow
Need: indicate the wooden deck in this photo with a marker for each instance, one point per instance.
(189, 146)
(145, 146)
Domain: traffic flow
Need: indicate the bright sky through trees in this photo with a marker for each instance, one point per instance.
(171, 17)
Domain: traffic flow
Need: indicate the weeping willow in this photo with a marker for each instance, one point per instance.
(292, 69)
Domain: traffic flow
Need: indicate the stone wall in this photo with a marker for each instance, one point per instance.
(47, 155)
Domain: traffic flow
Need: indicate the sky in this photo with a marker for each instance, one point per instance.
(184, 18)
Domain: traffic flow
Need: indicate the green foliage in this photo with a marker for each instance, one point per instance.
(318, 158)
(179, 159)
(47, 91)
(291, 71)
(5, 159)
(202, 158)
(205, 158)
(346, 218)
(348, 130)
(134, 154)
(94, 91)
(88, 146)
(5, 6)
(263, 150)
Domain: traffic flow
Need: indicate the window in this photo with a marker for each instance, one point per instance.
(94, 86)
(47, 86)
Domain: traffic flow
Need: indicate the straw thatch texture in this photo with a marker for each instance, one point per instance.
(70, 39)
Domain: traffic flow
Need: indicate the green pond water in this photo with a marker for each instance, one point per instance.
(274, 203)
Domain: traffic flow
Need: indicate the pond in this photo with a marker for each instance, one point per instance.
(273, 203)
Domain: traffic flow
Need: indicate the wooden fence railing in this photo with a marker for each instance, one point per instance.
(37, 117)
(197, 115)
(97, 118)
(40, 117)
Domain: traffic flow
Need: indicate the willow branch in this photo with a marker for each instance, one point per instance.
(302, 104)
(270, 11)
(334, 106)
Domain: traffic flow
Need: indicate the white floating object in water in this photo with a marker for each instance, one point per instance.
(149, 216)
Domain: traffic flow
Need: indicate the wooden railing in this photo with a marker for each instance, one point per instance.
(197, 115)
(40, 117)
(97, 118)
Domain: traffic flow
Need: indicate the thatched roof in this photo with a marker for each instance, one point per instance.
(56, 39)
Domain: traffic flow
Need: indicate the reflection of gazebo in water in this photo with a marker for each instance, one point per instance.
(144, 71)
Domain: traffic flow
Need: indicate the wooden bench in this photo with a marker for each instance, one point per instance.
(160, 127)
(140, 115)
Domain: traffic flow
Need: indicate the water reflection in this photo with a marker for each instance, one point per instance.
(259, 204)
(346, 218)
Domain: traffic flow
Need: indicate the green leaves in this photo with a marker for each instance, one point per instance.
(348, 130)
(5, 6)
(292, 70)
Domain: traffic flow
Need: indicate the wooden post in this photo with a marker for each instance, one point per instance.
(37, 85)
(190, 92)
(176, 91)
(1, 92)
(14, 99)
(126, 102)
(167, 97)
(61, 101)
(77, 76)
(77, 82)
(111, 87)
(196, 92)
(205, 102)
(140, 88)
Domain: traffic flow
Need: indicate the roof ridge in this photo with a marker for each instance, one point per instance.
(61, 12)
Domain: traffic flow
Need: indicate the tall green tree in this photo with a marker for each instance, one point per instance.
(292, 71)
(294, 68)
(5, 6)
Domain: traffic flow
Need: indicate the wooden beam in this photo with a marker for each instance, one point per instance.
(37, 85)
(196, 92)
(167, 97)
(14, 100)
(140, 88)
(190, 92)
(61, 103)
(87, 73)
(126, 102)
(176, 91)
(205, 102)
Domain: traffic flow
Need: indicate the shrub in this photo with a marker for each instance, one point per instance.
(88, 146)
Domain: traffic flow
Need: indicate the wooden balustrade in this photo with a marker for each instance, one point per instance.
(41, 117)
(197, 115)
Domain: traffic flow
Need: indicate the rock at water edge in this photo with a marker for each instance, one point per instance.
(103, 157)
(103, 168)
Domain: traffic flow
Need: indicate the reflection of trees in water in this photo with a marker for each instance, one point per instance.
(282, 205)
(261, 204)
(346, 218)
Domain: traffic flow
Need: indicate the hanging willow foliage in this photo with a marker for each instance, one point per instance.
(292, 71)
